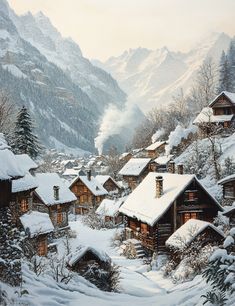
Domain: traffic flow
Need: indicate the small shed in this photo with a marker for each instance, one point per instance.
(81, 259)
(192, 230)
(109, 209)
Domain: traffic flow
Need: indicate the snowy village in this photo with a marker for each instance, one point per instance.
(117, 177)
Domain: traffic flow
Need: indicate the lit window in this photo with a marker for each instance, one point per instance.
(42, 248)
(24, 206)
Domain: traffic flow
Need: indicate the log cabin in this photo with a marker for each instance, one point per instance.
(162, 163)
(161, 204)
(155, 149)
(230, 213)
(37, 227)
(108, 183)
(109, 211)
(54, 197)
(125, 157)
(220, 113)
(194, 231)
(89, 193)
(228, 184)
(135, 170)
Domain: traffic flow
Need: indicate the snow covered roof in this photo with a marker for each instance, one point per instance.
(227, 179)
(229, 210)
(206, 115)
(123, 155)
(27, 182)
(9, 167)
(71, 172)
(143, 204)
(25, 162)
(155, 145)
(46, 182)
(188, 232)
(77, 255)
(102, 179)
(163, 160)
(36, 223)
(135, 166)
(93, 185)
(229, 95)
(109, 207)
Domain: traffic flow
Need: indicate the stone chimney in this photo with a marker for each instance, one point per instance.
(180, 169)
(172, 167)
(159, 186)
(89, 175)
(56, 192)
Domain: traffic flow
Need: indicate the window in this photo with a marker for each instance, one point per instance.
(98, 199)
(229, 191)
(226, 124)
(144, 228)
(42, 248)
(24, 206)
(85, 189)
(59, 217)
(191, 195)
(189, 215)
(227, 111)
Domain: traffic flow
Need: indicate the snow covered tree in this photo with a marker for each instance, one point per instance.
(7, 116)
(225, 75)
(25, 141)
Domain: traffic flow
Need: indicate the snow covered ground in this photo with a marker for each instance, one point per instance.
(139, 286)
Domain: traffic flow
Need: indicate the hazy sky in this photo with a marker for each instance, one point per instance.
(105, 28)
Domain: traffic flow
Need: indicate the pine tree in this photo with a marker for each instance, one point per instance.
(231, 62)
(225, 74)
(25, 141)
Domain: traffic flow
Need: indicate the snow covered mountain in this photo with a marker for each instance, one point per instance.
(152, 77)
(65, 93)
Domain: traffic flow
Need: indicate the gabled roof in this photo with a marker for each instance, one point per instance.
(155, 145)
(229, 95)
(109, 207)
(93, 185)
(25, 162)
(184, 235)
(143, 204)
(28, 182)
(206, 116)
(163, 160)
(228, 212)
(77, 255)
(9, 167)
(135, 166)
(102, 179)
(227, 179)
(46, 182)
(36, 223)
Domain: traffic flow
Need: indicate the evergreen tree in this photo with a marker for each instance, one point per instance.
(225, 74)
(231, 63)
(25, 141)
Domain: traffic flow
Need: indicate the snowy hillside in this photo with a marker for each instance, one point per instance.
(152, 77)
(65, 93)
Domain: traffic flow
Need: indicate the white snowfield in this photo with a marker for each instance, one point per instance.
(188, 232)
(135, 166)
(143, 204)
(46, 182)
(36, 223)
(93, 185)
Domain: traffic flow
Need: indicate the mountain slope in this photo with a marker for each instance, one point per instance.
(152, 77)
(65, 111)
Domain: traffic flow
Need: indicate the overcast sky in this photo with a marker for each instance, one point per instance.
(104, 28)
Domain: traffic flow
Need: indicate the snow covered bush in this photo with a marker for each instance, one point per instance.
(59, 270)
(220, 273)
(105, 279)
(96, 221)
(117, 238)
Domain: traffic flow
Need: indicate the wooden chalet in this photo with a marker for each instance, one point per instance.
(37, 227)
(162, 163)
(135, 170)
(220, 112)
(194, 231)
(54, 197)
(108, 183)
(89, 193)
(155, 149)
(125, 157)
(228, 184)
(162, 203)
(109, 210)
